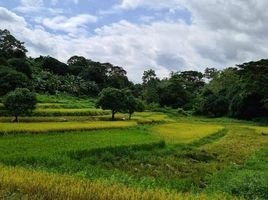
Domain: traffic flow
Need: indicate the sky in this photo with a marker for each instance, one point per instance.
(164, 35)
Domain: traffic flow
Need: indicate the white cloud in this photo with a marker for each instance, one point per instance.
(151, 4)
(32, 3)
(69, 25)
(75, 1)
(37, 7)
(223, 33)
(9, 20)
(30, 6)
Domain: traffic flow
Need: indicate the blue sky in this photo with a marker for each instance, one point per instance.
(165, 35)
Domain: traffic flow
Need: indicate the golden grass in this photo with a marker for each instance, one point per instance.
(237, 146)
(6, 128)
(151, 117)
(65, 110)
(41, 185)
(184, 132)
(69, 112)
(259, 129)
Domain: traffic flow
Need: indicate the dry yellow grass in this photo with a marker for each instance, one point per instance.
(236, 146)
(259, 129)
(39, 185)
(184, 132)
(6, 128)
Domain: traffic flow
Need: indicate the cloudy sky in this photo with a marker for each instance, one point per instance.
(165, 35)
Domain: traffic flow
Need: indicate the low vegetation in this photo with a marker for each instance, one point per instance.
(185, 132)
(7, 128)
(28, 184)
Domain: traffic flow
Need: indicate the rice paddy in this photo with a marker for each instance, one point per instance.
(81, 154)
(185, 132)
(7, 128)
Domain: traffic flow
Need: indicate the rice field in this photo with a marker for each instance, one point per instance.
(39, 185)
(81, 154)
(185, 132)
(69, 112)
(9, 128)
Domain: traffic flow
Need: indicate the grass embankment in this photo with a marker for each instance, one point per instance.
(64, 101)
(8, 128)
(69, 112)
(140, 118)
(184, 132)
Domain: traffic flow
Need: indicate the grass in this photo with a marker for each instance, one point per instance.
(184, 167)
(184, 132)
(249, 181)
(39, 185)
(44, 144)
(8, 128)
(69, 112)
(65, 101)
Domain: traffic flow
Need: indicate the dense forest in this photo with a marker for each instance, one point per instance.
(240, 91)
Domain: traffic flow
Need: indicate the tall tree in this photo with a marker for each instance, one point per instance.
(172, 92)
(20, 102)
(148, 76)
(77, 61)
(54, 65)
(132, 104)
(112, 99)
(10, 47)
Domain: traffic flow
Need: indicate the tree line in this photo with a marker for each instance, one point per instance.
(240, 91)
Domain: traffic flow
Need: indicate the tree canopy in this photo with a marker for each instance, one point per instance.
(240, 91)
(20, 102)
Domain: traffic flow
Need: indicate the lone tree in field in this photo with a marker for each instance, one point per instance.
(112, 99)
(20, 102)
(132, 104)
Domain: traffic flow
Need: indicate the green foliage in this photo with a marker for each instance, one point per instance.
(47, 82)
(10, 47)
(173, 93)
(213, 105)
(11, 79)
(112, 99)
(132, 104)
(95, 72)
(63, 100)
(53, 65)
(119, 101)
(21, 65)
(20, 102)
(77, 61)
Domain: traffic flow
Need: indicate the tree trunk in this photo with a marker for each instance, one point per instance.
(113, 113)
(15, 120)
(129, 116)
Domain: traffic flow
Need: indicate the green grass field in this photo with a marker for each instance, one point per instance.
(153, 156)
